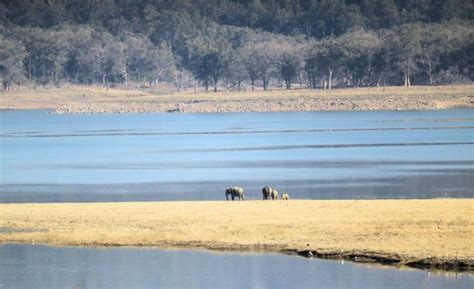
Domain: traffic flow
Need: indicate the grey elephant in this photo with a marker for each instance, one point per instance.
(274, 194)
(285, 197)
(266, 191)
(269, 192)
(235, 192)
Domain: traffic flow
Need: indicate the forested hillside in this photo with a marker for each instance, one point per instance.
(232, 44)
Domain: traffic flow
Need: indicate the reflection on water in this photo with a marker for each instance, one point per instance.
(34, 266)
(422, 154)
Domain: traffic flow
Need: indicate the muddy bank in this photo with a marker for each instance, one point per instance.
(428, 263)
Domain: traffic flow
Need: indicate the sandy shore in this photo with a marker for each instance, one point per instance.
(430, 234)
(92, 99)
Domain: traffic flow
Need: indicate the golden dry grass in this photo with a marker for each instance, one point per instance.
(90, 96)
(440, 228)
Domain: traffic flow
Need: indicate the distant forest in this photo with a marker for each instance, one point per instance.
(236, 44)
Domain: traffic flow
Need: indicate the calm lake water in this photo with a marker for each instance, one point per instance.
(34, 266)
(143, 157)
(317, 155)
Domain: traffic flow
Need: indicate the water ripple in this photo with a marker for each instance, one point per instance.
(125, 132)
(323, 146)
(267, 164)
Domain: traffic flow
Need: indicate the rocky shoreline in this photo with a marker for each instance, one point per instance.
(367, 103)
(93, 99)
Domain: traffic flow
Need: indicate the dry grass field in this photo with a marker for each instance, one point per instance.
(96, 99)
(434, 233)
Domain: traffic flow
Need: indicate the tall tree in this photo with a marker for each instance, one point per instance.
(359, 49)
(237, 71)
(288, 58)
(12, 54)
(330, 55)
(210, 67)
(405, 47)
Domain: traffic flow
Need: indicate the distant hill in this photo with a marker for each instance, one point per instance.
(236, 44)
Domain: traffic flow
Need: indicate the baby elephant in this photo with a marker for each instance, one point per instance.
(269, 192)
(285, 197)
(235, 192)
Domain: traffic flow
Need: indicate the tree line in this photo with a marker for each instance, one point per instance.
(236, 44)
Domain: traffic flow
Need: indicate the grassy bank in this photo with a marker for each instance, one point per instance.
(419, 233)
(95, 99)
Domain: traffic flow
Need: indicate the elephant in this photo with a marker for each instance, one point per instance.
(269, 192)
(274, 194)
(285, 197)
(266, 191)
(235, 192)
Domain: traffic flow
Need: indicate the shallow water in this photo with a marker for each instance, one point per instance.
(317, 155)
(35, 266)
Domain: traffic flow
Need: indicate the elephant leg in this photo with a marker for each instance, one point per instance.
(233, 197)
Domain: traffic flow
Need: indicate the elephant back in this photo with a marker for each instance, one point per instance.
(238, 191)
